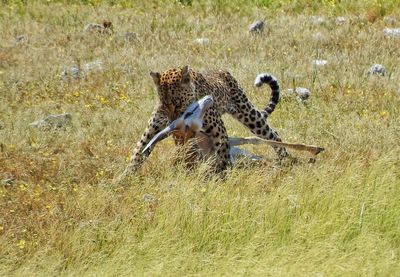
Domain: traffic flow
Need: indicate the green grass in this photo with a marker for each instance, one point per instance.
(338, 216)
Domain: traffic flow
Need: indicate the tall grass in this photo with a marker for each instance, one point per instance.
(62, 215)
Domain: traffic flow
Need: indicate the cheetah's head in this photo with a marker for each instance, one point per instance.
(175, 90)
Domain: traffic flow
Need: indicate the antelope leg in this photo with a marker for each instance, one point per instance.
(315, 150)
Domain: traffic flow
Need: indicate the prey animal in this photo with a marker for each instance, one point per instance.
(185, 127)
(188, 128)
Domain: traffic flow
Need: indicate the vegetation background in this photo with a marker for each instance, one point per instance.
(60, 213)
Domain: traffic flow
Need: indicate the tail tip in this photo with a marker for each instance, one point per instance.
(264, 78)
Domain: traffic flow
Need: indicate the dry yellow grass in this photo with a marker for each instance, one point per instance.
(339, 216)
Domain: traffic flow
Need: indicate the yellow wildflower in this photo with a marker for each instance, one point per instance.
(21, 244)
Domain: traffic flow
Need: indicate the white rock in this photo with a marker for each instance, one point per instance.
(149, 198)
(71, 72)
(20, 39)
(202, 41)
(74, 72)
(377, 69)
(392, 32)
(320, 62)
(302, 93)
(340, 20)
(257, 27)
(53, 121)
(7, 182)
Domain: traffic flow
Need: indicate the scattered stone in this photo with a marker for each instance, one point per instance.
(202, 41)
(94, 28)
(74, 72)
(377, 69)
(7, 182)
(257, 27)
(302, 93)
(357, 20)
(71, 72)
(149, 198)
(317, 20)
(53, 121)
(320, 62)
(340, 20)
(392, 32)
(20, 39)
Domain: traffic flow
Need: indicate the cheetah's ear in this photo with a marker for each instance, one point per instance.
(185, 74)
(156, 77)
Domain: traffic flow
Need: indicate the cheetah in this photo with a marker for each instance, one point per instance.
(178, 87)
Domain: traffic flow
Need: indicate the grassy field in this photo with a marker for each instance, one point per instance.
(61, 214)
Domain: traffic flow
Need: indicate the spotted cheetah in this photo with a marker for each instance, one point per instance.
(177, 88)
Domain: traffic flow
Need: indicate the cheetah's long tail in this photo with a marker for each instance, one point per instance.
(266, 78)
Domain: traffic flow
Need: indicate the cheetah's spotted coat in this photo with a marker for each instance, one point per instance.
(178, 87)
